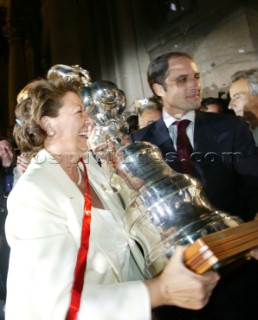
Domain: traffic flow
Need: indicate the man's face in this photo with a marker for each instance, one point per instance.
(7, 153)
(242, 101)
(240, 96)
(181, 90)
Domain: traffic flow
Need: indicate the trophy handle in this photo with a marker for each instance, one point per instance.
(218, 249)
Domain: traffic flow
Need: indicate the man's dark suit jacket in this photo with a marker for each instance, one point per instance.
(222, 159)
(231, 186)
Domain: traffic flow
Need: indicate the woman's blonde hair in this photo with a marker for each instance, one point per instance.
(39, 98)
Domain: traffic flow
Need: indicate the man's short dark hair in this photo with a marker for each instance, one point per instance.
(10, 140)
(158, 68)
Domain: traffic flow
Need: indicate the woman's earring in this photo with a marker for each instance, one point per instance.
(51, 133)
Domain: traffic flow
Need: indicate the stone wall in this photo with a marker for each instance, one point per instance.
(222, 36)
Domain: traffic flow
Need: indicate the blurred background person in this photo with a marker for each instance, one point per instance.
(148, 110)
(132, 122)
(244, 97)
(211, 104)
(9, 175)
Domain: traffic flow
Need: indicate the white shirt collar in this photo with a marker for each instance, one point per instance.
(168, 119)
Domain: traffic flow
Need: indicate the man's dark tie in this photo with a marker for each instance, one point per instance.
(184, 147)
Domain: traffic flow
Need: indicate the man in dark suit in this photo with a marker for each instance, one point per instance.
(218, 150)
(220, 143)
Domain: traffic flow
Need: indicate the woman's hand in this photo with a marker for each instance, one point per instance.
(22, 163)
(179, 286)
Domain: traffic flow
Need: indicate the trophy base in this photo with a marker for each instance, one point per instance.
(221, 248)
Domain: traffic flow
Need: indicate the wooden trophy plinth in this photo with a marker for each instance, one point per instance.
(221, 248)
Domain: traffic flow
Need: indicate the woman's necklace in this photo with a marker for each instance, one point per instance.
(79, 176)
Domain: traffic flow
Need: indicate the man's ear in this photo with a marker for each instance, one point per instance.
(158, 89)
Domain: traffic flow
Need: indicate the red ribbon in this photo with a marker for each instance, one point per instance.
(81, 263)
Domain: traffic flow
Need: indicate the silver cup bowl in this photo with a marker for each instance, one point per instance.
(164, 208)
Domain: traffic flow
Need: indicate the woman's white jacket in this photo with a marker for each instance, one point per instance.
(43, 229)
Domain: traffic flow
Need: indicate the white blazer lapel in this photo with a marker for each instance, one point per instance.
(99, 181)
(74, 202)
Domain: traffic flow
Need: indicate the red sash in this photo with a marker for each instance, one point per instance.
(81, 263)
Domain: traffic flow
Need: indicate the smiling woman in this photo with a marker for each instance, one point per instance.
(54, 116)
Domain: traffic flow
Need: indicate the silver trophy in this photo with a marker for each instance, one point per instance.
(105, 102)
(164, 208)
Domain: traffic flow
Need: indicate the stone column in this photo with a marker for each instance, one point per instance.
(128, 48)
(16, 68)
(23, 33)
